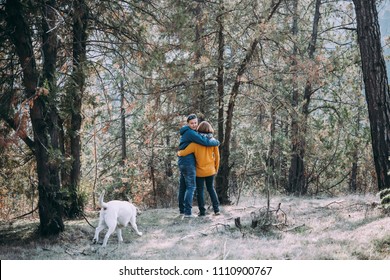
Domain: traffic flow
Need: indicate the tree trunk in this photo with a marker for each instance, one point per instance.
(220, 76)
(270, 162)
(297, 180)
(376, 86)
(126, 188)
(222, 178)
(202, 103)
(123, 124)
(80, 21)
(50, 209)
(353, 183)
(169, 156)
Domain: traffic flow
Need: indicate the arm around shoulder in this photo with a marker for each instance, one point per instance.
(193, 136)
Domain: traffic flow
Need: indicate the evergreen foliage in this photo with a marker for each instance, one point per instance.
(148, 65)
(384, 196)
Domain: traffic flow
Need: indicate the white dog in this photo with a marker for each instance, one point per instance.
(115, 214)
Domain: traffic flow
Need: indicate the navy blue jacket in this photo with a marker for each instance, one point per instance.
(187, 136)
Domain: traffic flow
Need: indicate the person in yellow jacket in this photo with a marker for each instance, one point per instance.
(207, 165)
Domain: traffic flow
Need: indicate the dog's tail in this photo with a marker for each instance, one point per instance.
(101, 202)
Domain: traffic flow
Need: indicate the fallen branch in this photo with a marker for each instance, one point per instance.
(333, 202)
(220, 224)
(21, 216)
(225, 254)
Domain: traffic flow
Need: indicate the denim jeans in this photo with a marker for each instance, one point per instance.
(187, 187)
(210, 189)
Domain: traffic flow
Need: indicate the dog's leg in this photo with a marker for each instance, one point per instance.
(119, 233)
(109, 232)
(110, 220)
(100, 227)
(134, 225)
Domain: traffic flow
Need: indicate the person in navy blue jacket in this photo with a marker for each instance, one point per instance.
(187, 184)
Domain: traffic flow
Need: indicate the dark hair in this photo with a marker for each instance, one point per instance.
(205, 127)
(191, 117)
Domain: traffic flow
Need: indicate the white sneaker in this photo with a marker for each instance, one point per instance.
(189, 216)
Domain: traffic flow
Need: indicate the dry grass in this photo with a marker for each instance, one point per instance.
(350, 227)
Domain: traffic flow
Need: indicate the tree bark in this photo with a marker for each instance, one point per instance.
(80, 23)
(376, 86)
(49, 47)
(50, 209)
(220, 75)
(123, 124)
(202, 103)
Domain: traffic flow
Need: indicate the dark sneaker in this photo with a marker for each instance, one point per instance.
(217, 213)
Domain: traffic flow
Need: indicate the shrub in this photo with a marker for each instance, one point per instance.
(384, 195)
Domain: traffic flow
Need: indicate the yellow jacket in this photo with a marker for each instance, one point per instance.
(207, 158)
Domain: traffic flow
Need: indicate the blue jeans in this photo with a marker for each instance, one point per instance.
(187, 187)
(210, 189)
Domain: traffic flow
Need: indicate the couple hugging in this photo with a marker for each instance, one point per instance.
(198, 164)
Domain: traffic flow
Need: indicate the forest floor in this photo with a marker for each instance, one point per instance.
(344, 228)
